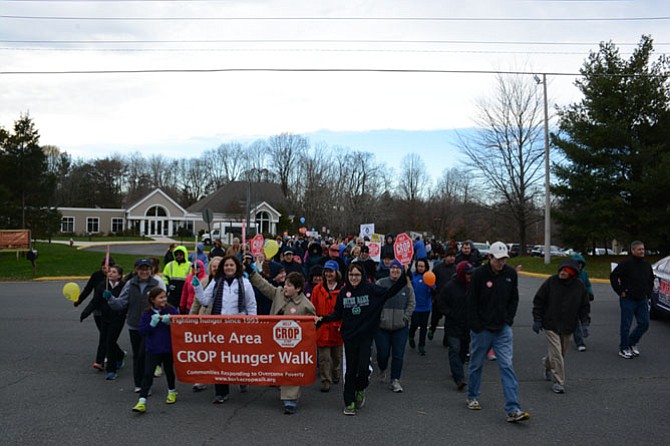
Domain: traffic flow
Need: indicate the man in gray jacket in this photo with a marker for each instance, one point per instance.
(393, 331)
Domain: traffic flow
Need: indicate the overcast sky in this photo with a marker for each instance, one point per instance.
(182, 113)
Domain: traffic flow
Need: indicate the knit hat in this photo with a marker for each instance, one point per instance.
(275, 269)
(396, 264)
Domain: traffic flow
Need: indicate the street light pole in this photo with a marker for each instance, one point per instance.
(547, 195)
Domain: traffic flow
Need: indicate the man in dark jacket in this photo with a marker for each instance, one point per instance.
(444, 272)
(633, 281)
(558, 305)
(453, 304)
(492, 303)
(469, 253)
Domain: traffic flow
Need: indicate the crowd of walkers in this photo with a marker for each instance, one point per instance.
(363, 310)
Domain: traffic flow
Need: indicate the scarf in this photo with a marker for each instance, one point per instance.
(218, 295)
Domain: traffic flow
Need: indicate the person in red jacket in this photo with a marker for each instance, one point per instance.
(328, 341)
(187, 292)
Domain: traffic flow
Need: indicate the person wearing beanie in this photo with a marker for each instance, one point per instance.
(384, 268)
(452, 303)
(444, 272)
(584, 277)
(559, 304)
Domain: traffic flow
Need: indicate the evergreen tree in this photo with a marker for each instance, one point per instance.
(614, 181)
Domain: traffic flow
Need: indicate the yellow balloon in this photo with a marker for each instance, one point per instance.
(71, 291)
(271, 249)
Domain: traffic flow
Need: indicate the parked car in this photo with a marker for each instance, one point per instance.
(513, 249)
(601, 252)
(538, 251)
(660, 299)
(483, 248)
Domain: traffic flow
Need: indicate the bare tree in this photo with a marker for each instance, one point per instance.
(414, 178)
(506, 150)
(285, 151)
(256, 163)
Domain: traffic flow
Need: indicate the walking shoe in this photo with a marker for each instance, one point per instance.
(111, 376)
(158, 372)
(289, 409)
(581, 348)
(350, 409)
(220, 399)
(199, 387)
(137, 389)
(460, 385)
(395, 386)
(634, 350)
(473, 404)
(491, 355)
(383, 376)
(625, 353)
(140, 407)
(557, 388)
(171, 397)
(431, 333)
(422, 351)
(122, 362)
(325, 386)
(546, 373)
(517, 415)
(412, 344)
(360, 399)
(98, 367)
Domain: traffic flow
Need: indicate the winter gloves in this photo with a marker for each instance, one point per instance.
(195, 282)
(155, 319)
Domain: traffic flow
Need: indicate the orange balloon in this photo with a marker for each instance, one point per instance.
(429, 278)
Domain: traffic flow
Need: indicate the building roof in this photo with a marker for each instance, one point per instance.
(232, 198)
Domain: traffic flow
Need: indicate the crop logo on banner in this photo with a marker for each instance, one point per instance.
(261, 350)
(287, 334)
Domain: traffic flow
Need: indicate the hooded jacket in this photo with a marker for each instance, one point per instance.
(388, 246)
(359, 308)
(422, 293)
(188, 293)
(560, 303)
(398, 309)
(583, 275)
(452, 302)
(174, 275)
(199, 255)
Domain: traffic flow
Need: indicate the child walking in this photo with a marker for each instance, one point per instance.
(155, 328)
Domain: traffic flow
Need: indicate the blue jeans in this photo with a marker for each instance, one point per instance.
(630, 308)
(458, 348)
(391, 343)
(502, 343)
(577, 335)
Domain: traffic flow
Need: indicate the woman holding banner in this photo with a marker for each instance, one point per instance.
(229, 293)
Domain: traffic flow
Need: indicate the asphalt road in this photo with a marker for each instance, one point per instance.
(51, 395)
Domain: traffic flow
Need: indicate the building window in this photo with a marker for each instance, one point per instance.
(263, 222)
(117, 225)
(67, 224)
(92, 225)
(156, 211)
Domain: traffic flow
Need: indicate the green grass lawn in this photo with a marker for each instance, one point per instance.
(598, 267)
(101, 238)
(57, 260)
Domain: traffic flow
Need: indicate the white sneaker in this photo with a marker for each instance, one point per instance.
(634, 351)
(395, 386)
(625, 353)
(581, 348)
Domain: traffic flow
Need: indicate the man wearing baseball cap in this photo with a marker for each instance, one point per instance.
(493, 299)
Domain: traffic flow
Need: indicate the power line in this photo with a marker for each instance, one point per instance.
(294, 50)
(373, 41)
(381, 19)
(313, 70)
